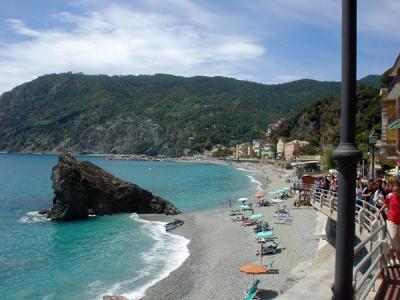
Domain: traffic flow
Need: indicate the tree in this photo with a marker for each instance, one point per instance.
(220, 153)
(386, 166)
(328, 159)
(307, 150)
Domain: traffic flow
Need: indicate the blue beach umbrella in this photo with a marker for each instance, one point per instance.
(286, 189)
(244, 206)
(272, 193)
(256, 217)
(265, 234)
(280, 191)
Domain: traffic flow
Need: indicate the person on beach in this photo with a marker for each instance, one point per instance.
(230, 203)
(392, 202)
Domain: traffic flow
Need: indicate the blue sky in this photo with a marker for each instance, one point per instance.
(268, 41)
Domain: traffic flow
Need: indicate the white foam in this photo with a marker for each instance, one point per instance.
(33, 217)
(259, 184)
(168, 253)
(241, 169)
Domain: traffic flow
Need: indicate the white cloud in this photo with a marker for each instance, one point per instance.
(120, 40)
(373, 16)
(256, 40)
(380, 16)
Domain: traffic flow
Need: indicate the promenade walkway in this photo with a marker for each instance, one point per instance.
(372, 279)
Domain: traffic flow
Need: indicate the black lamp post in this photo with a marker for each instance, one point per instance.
(347, 156)
(372, 141)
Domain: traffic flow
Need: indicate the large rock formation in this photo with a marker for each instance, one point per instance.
(81, 188)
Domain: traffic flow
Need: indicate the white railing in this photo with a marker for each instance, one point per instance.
(372, 250)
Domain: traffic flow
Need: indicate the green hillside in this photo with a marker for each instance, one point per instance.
(144, 114)
(371, 80)
(318, 122)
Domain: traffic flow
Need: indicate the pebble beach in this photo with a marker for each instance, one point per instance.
(219, 246)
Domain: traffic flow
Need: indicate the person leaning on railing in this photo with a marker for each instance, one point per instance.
(368, 191)
(379, 194)
(392, 202)
(359, 188)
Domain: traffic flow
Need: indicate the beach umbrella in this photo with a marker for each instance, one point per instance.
(256, 217)
(280, 191)
(242, 199)
(286, 189)
(253, 269)
(272, 193)
(243, 206)
(265, 234)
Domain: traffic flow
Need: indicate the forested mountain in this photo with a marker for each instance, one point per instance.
(144, 114)
(318, 122)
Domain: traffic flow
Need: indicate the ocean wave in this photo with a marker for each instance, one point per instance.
(168, 253)
(241, 169)
(259, 184)
(33, 217)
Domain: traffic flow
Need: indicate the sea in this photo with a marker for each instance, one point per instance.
(118, 254)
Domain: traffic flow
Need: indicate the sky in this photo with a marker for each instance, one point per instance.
(267, 41)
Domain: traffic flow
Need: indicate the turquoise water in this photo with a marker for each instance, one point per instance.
(120, 254)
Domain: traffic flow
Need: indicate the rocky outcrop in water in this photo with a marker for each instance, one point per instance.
(82, 189)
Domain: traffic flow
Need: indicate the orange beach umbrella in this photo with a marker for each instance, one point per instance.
(253, 269)
(259, 195)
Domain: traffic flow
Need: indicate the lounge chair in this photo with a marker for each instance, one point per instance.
(263, 227)
(271, 249)
(250, 292)
(249, 223)
(235, 212)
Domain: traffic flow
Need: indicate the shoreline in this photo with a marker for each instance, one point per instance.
(106, 156)
(219, 246)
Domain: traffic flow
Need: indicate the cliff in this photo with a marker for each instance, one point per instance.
(81, 188)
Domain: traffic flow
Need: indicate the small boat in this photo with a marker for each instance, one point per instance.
(174, 224)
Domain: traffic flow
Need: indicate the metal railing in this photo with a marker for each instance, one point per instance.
(372, 251)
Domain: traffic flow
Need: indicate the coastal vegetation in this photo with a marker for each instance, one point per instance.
(144, 114)
(318, 122)
(160, 114)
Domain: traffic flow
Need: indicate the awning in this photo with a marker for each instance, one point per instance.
(305, 162)
(394, 125)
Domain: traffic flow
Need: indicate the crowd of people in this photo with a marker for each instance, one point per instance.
(385, 196)
(372, 191)
(328, 182)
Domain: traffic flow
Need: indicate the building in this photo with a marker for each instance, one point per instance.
(243, 150)
(389, 144)
(257, 146)
(291, 148)
(280, 148)
(266, 152)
